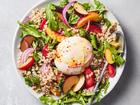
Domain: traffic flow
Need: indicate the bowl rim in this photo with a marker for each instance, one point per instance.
(14, 47)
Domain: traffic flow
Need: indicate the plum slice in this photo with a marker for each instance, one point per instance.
(26, 42)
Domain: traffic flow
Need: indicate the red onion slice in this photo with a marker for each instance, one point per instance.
(26, 54)
(64, 12)
(87, 27)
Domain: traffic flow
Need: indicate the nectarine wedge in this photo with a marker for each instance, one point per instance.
(54, 35)
(92, 16)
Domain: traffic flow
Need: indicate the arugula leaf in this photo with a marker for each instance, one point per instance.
(72, 97)
(32, 80)
(62, 26)
(68, 33)
(102, 88)
(29, 30)
(93, 41)
(52, 22)
(82, 32)
(119, 60)
(47, 100)
(86, 6)
(61, 82)
(63, 3)
(115, 53)
(73, 18)
(99, 5)
(107, 22)
(36, 56)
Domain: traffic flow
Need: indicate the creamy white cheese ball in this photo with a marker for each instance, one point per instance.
(73, 55)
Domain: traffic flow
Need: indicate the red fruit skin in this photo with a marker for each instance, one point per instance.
(90, 79)
(45, 50)
(111, 70)
(95, 28)
(89, 82)
(87, 71)
(27, 64)
(42, 24)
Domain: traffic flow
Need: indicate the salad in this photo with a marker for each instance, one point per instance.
(64, 48)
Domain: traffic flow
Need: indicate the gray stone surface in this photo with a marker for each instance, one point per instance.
(126, 92)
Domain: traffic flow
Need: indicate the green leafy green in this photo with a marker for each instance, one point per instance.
(107, 22)
(51, 18)
(115, 53)
(86, 6)
(36, 56)
(29, 30)
(67, 33)
(93, 41)
(119, 60)
(102, 88)
(82, 32)
(47, 100)
(99, 6)
(72, 97)
(62, 26)
(32, 80)
(63, 3)
(73, 18)
(61, 82)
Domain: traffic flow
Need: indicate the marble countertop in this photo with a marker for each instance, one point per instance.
(126, 92)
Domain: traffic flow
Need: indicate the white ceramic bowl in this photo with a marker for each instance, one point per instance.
(113, 81)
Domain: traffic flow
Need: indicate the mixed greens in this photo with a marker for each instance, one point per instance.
(50, 26)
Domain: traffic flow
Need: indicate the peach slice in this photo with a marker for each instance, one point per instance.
(80, 83)
(108, 56)
(69, 83)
